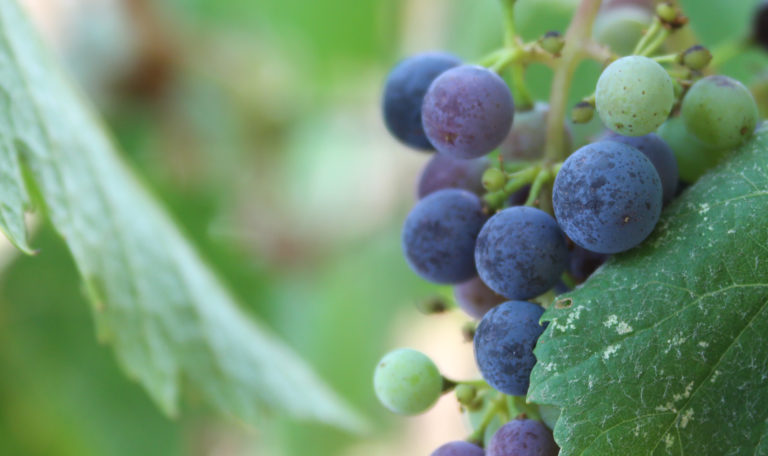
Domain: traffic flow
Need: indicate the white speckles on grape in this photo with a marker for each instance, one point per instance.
(634, 96)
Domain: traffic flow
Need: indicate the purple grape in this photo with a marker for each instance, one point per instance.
(519, 197)
(660, 154)
(475, 298)
(467, 112)
(446, 172)
(439, 235)
(503, 345)
(523, 438)
(584, 262)
(459, 448)
(521, 252)
(404, 94)
(528, 135)
(607, 197)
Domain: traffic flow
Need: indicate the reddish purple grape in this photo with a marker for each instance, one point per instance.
(523, 438)
(459, 448)
(446, 172)
(475, 298)
(467, 112)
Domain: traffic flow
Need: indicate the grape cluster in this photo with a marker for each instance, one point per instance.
(509, 214)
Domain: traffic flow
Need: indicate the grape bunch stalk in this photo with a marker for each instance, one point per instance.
(510, 215)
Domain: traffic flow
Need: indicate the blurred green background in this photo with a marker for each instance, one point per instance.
(256, 122)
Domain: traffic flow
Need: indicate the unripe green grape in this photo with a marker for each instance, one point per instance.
(720, 111)
(666, 12)
(694, 157)
(552, 42)
(466, 394)
(620, 28)
(582, 112)
(634, 96)
(493, 179)
(407, 382)
(696, 57)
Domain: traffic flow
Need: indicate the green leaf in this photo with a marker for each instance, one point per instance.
(665, 349)
(166, 315)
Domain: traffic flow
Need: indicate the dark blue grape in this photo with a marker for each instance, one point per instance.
(584, 262)
(475, 298)
(459, 448)
(660, 154)
(519, 197)
(504, 342)
(523, 438)
(440, 233)
(446, 172)
(521, 252)
(404, 93)
(467, 112)
(760, 25)
(607, 197)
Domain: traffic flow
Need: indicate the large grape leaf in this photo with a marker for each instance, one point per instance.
(665, 349)
(166, 315)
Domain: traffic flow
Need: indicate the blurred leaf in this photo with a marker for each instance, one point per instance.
(165, 313)
(662, 351)
(66, 395)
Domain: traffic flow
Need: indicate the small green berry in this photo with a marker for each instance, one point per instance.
(696, 57)
(582, 112)
(552, 42)
(466, 394)
(666, 12)
(494, 179)
(407, 382)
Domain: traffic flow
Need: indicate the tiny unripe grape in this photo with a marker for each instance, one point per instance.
(582, 112)
(493, 179)
(634, 96)
(465, 394)
(407, 382)
(720, 111)
(666, 12)
(552, 42)
(696, 57)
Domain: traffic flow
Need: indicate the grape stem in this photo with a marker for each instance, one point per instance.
(577, 36)
(498, 405)
(515, 182)
(669, 58)
(479, 384)
(657, 42)
(543, 177)
(649, 34)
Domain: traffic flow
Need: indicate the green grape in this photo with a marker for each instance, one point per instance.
(694, 157)
(407, 382)
(621, 28)
(720, 111)
(634, 96)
